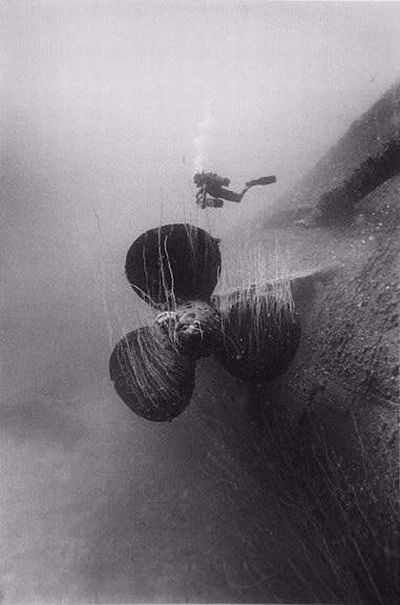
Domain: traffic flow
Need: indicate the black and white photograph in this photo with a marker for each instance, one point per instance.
(200, 294)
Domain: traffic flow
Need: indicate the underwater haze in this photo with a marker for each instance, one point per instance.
(108, 109)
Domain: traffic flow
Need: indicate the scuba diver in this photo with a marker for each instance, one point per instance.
(209, 183)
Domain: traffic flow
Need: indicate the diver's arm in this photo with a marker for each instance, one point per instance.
(201, 197)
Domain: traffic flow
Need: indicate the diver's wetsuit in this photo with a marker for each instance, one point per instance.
(219, 193)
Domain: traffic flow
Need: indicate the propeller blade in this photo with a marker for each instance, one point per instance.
(260, 331)
(150, 376)
(173, 263)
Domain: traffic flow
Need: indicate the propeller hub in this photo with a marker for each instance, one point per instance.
(193, 328)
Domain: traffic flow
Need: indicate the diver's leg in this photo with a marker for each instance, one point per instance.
(243, 192)
(231, 196)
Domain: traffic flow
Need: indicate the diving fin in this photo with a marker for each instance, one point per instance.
(264, 180)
